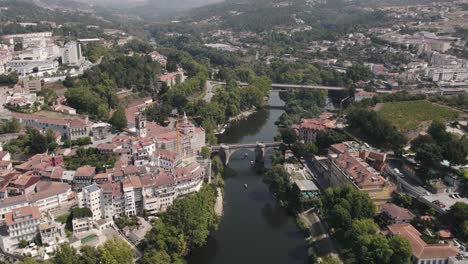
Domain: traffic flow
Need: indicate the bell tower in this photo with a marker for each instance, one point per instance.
(140, 125)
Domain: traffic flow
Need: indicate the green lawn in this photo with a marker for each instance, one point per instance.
(63, 218)
(88, 238)
(408, 115)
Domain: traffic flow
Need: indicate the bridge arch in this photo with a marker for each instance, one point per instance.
(224, 151)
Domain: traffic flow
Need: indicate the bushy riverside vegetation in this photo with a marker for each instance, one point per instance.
(185, 226)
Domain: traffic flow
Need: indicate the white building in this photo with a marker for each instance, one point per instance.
(70, 128)
(91, 197)
(33, 67)
(446, 74)
(21, 224)
(71, 54)
(45, 196)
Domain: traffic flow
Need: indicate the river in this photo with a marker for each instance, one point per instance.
(254, 228)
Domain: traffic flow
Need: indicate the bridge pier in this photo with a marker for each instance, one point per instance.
(260, 153)
(225, 150)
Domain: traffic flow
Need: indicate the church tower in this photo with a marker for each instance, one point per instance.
(140, 125)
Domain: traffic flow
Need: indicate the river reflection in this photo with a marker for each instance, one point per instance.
(254, 228)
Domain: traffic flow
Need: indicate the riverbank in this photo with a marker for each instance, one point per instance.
(219, 202)
(241, 116)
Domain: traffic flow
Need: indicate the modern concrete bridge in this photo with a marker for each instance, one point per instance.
(282, 87)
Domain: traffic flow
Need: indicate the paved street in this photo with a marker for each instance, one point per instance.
(325, 245)
(209, 91)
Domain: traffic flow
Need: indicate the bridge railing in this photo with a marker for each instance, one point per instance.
(248, 145)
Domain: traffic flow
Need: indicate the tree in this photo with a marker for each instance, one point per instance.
(194, 216)
(298, 149)
(404, 200)
(23, 243)
(438, 132)
(327, 138)
(373, 248)
(89, 255)
(277, 179)
(205, 152)
(359, 72)
(29, 260)
(289, 136)
(455, 151)
(339, 217)
(10, 126)
(330, 260)
(116, 251)
(420, 141)
(156, 257)
(66, 255)
(402, 250)
(277, 158)
(361, 227)
(464, 229)
(429, 157)
(217, 165)
(37, 143)
(166, 238)
(118, 119)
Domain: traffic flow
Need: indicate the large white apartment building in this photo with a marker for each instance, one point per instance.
(36, 67)
(45, 196)
(447, 74)
(21, 224)
(150, 192)
(71, 54)
(91, 197)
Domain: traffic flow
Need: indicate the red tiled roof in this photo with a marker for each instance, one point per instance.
(14, 217)
(47, 189)
(167, 154)
(85, 171)
(397, 212)
(362, 173)
(71, 122)
(3, 154)
(365, 94)
(421, 249)
(168, 77)
(4, 163)
(57, 173)
(132, 181)
(26, 180)
(169, 136)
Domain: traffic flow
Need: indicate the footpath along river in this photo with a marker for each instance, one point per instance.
(254, 228)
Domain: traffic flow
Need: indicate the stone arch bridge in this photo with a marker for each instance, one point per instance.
(226, 150)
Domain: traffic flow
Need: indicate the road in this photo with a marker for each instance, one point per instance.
(209, 91)
(325, 245)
